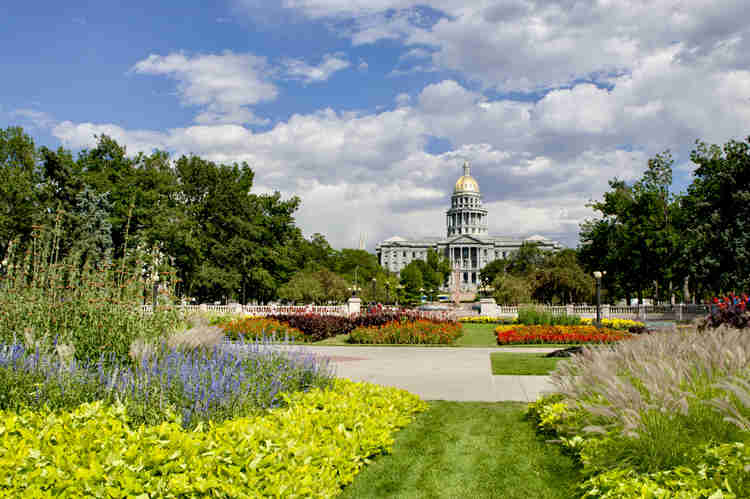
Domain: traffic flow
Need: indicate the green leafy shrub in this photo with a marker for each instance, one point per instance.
(535, 316)
(310, 448)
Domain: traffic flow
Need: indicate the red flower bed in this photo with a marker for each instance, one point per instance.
(524, 335)
(418, 332)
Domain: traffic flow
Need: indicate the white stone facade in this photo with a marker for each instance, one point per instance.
(467, 246)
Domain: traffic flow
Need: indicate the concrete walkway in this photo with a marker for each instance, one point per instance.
(463, 374)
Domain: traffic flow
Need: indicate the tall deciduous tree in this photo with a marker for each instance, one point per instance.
(717, 218)
(19, 176)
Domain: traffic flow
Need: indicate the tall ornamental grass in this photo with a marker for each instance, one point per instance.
(91, 307)
(651, 403)
(196, 385)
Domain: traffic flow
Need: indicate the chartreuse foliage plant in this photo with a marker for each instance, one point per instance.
(661, 415)
(310, 448)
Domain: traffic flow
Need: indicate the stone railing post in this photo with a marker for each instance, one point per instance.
(569, 310)
(679, 312)
(354, 304)
(605, 311)
(487, 307)
(642, 312)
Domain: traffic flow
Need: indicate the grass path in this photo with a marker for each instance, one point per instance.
(468, 450)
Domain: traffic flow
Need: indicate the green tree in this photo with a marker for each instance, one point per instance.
(412, 281)
(635, 239)
(302, 288)
(91, 231)
(561, 279)
(19, 176)
(491, 270)
(511, 289)
(717, 217)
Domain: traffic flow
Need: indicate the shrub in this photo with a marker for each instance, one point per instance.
(530, 316)
(259, 328)
(316, 327)
(557, 334)
(310, 448)
(408, 332)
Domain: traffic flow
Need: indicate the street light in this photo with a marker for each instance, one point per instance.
(388, 291)
(399, 288)
(156, 289)
(354, 289)
(598, 275)
(421, 294)
(374, 282)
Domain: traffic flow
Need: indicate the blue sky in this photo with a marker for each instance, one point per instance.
(367, 108)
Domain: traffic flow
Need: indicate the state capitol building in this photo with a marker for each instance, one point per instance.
(467, 245)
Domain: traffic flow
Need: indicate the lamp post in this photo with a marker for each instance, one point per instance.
(156, 290)
(421, 294)
(598, 275)
(374, 283)
(399, 288)
(354, 289)
(388, 292)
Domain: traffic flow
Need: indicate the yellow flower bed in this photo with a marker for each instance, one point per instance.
(311, 448)
(478, 319)
(614, 323)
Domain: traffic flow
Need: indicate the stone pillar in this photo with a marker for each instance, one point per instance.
(487, 307)
(605, 311)
(569, 310)
(354, 304)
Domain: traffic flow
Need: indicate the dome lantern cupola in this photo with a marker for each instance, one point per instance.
(466, 215)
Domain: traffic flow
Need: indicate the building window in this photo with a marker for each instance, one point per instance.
(473, 277)
(466, 277)
(403, 253)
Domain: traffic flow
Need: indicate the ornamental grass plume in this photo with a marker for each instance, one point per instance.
(196, 338)
(656, 395)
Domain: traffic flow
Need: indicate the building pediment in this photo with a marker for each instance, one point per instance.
(465, 239)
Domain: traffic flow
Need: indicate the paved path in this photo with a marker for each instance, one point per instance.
(435, 373)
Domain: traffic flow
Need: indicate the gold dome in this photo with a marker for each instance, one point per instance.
(466, 183)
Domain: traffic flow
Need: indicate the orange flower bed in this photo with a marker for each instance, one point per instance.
(524, 335)
(256, 328)
(419, 332)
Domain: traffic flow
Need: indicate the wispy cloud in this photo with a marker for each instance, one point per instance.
(301, 70)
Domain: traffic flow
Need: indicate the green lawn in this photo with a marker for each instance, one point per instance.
(522, 363)
(468, 450)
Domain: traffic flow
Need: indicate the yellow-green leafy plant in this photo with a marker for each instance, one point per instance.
(311, 448)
